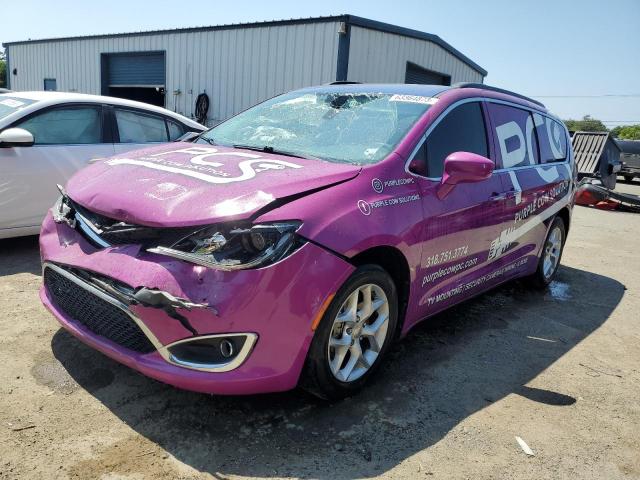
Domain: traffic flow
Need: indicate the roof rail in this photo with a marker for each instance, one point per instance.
(343, 82)
(482, 86)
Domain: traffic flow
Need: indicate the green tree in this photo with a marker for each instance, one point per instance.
(3, 70)
(615, 131)
(587, 124)
(629, 132)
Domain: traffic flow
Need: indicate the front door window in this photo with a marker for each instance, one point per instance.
(79, 125)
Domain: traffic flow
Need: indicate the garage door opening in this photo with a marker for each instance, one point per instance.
(135, 76)
(417, 74)
(151, 95)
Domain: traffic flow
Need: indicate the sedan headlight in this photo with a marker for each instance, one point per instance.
(233, 247)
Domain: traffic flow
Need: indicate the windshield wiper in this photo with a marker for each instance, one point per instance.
(210, 141)
(270, 149)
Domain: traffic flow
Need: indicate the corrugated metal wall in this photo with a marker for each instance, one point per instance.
(376, 56)
(236, 67)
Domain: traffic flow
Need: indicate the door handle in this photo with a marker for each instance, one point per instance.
(515, 194)
(495, 197)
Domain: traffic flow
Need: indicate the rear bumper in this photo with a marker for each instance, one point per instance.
(277, 304)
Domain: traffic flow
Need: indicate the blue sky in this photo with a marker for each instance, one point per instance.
(587, 50)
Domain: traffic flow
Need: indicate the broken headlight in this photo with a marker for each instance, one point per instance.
(236, 247)
(62, 211)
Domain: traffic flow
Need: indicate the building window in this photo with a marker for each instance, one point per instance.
(50, 85)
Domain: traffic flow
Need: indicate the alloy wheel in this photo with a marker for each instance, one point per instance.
(552, 249)
(358, 333)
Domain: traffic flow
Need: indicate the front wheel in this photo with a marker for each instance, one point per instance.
(551, 253)
(353, 336)
(628, 178)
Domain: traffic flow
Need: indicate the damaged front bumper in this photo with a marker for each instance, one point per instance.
(258, 321)
(232, 349)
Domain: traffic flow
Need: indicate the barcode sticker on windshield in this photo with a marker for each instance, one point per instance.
(413, 99)
(9, 102)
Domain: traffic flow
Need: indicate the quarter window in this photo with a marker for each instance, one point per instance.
(137, 127)
(552, 139)
(461, 130)
(65, 126)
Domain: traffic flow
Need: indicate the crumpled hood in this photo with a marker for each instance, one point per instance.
(181, 184)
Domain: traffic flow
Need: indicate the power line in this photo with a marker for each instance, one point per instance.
(606, 95)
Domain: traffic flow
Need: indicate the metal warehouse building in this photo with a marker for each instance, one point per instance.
(236, 65)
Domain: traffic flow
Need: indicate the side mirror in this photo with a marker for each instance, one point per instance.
(188, 137)
(16, 137)
(463, 167)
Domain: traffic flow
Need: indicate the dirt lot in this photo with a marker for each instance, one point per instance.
(560, 369)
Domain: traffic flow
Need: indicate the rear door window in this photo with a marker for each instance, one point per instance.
(175, 130)
(138, 127)
(65, 126)
(513, 132)
(461, 130)
(552, 139)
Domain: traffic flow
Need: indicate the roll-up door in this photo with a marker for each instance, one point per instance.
(142, 69)
(422, 76)
(136, 76)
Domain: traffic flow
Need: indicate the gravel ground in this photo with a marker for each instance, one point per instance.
(560, 369)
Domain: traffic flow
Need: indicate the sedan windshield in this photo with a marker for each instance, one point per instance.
(9, 105)
(336, 126)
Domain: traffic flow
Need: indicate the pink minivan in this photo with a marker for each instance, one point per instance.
(291, 244)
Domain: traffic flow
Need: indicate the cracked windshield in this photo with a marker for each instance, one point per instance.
(340, 127)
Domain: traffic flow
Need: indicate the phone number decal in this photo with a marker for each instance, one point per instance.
(446, 256)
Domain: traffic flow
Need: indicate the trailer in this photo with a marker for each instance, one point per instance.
(597, 156)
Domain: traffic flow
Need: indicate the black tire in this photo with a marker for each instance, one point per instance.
(317, 377)
(628, 178)
(539, 280)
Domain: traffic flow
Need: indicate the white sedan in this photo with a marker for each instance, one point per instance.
(45, 137)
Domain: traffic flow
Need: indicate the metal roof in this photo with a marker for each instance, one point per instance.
(348, 19)
(588, 148)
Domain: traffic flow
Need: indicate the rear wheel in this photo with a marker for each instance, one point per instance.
(353, 336)
(551, 254)
(628, 178)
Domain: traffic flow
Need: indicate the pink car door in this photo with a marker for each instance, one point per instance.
(531, 150)
(459, 228)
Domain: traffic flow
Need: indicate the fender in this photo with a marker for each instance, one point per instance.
(381, 208)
